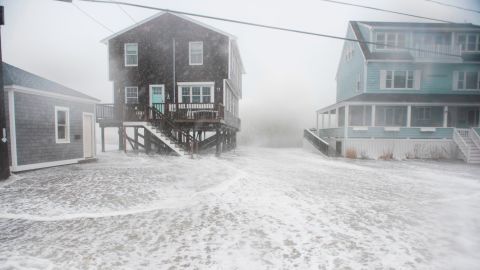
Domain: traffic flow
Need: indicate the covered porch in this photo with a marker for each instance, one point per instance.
(399, 117)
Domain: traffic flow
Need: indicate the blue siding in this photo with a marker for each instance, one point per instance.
(436, 78)
(331, 132)
(412, 133)
(349, 71)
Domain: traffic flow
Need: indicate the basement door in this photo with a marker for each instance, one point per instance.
(157, 96)
(88, 133)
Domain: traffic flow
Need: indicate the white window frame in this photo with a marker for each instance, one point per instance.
(464, 79)
(190, 53)
(407, 73)
(125, 55)
(424, 114)
(467, 39)
(67, 124)
(190, 85)
(126, 98)
(384, 42)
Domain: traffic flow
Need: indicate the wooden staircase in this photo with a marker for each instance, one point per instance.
(317, 142)
(162, 128)
(468, 141)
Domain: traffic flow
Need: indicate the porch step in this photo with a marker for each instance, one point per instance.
(467, 146)
(166, 140)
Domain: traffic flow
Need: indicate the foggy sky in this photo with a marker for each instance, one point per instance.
(288, 75)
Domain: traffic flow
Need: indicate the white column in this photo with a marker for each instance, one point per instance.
(409, 115)
(345, 135)
(329, 120)
(336, 115)
(445, 116)
(373, 115)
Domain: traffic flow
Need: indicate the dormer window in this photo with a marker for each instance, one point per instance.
(390, 41)
(195, 53)
(131, 54)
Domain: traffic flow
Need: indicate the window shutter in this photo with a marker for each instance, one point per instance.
(383, 79)
(455, 80)
(417, 79)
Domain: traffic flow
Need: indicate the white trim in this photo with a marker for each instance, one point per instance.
(190, 53)
(190, 83)
(18, 168)
(150, 92)
(428, 129)
(12, 127)
(105, 40)
(391, 129)
(125, 93)
(93, 134)
(32, 91)
(125, 55)
(67, 124)
(196, 84)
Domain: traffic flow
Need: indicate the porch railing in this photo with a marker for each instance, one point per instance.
(436, 51)
(316, 141)
(473, 135)
(105, 111)
(458, 138)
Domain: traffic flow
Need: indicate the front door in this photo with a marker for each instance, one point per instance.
(88, 140)
(157, 96)
(472, 117)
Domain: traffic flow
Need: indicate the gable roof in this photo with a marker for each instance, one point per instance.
(161, 13)
(16, 76)
(421, 26)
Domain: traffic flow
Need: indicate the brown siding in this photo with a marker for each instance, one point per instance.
(155, 63)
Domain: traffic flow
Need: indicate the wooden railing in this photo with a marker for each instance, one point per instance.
(316, 141)
(105, 111)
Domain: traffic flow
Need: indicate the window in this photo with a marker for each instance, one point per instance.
(62, 125)
(469, 42)
(431, 116)
(391, 116)
(131, 95)
(360, 115)
(196, 53)
(358, 83)
(206, 94)
(423, 113)
(390, 40)
(467, 80)
(131, 54)
(399, 79)
(349, 49)
(196, 93)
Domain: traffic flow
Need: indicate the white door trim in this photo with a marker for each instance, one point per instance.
(150, 92)
(92, 134)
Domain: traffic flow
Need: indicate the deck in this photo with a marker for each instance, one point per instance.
(202, 116)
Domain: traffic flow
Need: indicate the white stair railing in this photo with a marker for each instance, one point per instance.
(462, 144)
(473, 135)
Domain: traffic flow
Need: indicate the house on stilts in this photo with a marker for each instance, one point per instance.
(177, 84)
(410, 90)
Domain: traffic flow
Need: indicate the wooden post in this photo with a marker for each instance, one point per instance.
(102, 129)
(219, 143)
(234, 138)
(4, 160)
(135, 137)
(147, 141)
(120, 139)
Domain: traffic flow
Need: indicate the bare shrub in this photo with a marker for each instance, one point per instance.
(351, 153)
(387, 155)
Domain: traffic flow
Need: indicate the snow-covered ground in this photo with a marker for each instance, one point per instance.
(252, 209)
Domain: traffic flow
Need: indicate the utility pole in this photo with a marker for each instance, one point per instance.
(4, 162)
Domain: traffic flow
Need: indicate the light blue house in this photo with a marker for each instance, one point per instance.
(411, 90)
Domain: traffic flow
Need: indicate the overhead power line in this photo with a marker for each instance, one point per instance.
(93, 18)
(126, 13)
(386, 10)
(266, 26)
(453, 6)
